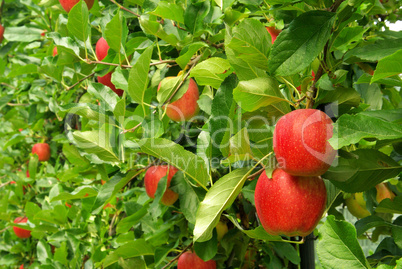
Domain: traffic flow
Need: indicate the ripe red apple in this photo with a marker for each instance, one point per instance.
(191, 260)
(186, 106)
(68, 4)
(273, 32)
(152, 177)
(101, 49)
(42, 150)
(107, 81)
(21, 233)
(22, 266)
(300, 142)
(1, 33)
(54, 51)
(289, 205)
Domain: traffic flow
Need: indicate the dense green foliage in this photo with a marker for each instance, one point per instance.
(246, 84)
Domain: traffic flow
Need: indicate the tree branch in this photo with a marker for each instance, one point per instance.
(79, 81)
(126, 9)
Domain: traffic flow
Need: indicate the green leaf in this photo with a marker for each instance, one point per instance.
(152, 27)
(239, 147)
(22, 34)
(98, 143)
(23, 70)
(208, 249)
(138, 80)
(136, 248)
(195, 14)
(192, 165)
(169, 11)
(116, 32)
(78, 193)
(361, 170)
(338, 246)
(127, 223)
(219, 197)
(388, 206)
(388, 66)
(78, 24)
(169, 86)
(369, 222)
(212, 72)
(251, 43)
(345, 96)
(374, 52)
(187, 52)
(258, 233)
(256, 93)
(348, 35)
(297, 46)
(350, 129)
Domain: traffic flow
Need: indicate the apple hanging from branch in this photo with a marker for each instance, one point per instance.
(152, 177)
(68, 4)
(20, 232)
(190, 260)
(42, 150)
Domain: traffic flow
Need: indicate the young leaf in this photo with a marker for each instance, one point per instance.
(116, 32)
(212, 72)
(338, 246)
(388, 66)
(136, 248)
(169, 11)
(297, 46)
(195, 15)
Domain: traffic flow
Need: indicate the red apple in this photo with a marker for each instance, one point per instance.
(54, 51)
(289, 205)
(68, 4)
(273, 32)
(21, 233)
(101, 49)
(68, 205)
(107, 81)
(186, 106)
(300, 142)
(42, 150)
(1, 33)
(152, 177)
(22, 266)
(190, 260)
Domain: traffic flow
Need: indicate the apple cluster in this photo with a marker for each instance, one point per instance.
(293, 200)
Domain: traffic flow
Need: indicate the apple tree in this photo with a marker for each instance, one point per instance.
(155, 121)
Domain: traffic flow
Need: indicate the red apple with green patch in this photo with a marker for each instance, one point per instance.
(301, 144)
(190, 260)
(289, 205)
(20, 232)
(42, 150)
(152, 177)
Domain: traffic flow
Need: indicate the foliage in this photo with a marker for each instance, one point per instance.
(102, 144)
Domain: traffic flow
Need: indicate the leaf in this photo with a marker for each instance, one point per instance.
(168, 86)
(212, 72)
(96, 142)
(348, 35)
(239, 147)
(297, 46)
(251, 42)
(258, 233)
(169, 11)
(150, 26)
(369, 222)
(219, 197)
(78, 193)
(195, 14)
(192, 165)
(187, 52)
(350, 129)
(138, 80)
(361, 170)
(388, 206)
(256, 93)
(338, 246)
(22, 34)
(388, 66)
(78, 24)
(116, 32)
(136, 248)
(345, 96)
(68, 43)
(375, 51)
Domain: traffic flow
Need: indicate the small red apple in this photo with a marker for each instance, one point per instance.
(301, 144)
(19, 232)
(190, 260)
(42, 150)
(107, 81)
(1, 33)
(101, 49)
(152, 177)
(54, 51)
(68, 4)
(273, 32)
(186, 106)
(289, 205)
(68, 205)
(22, 266)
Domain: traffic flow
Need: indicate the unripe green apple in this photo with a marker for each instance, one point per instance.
(301, 144)
(221, 229)
(152, 177)
(289, 205)
(1, 33)
(273, 32)
(68, 4)
(189, 260)
(186, 106)
(19, 232)
(42, 150)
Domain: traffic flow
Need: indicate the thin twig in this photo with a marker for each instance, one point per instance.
(8, 85)
(132, 129)
(79, 81)
(5, 229)
(12, 104)
(163, 62)
(111, 224)
(256, 173)
(106, 63)
(126, 9)
(178, 256)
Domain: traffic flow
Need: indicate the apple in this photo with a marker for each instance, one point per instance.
(357, 205)
(68, 4)
(191, 260)
(54, 51)
(1, 33)
(101, 49)
(300, 142)
(221, 229)
(22, 266)
(68, 205)
(42, 150)
(186, 106)
(152, 177)
(273, 32)
(19, 232)
(289, 205)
